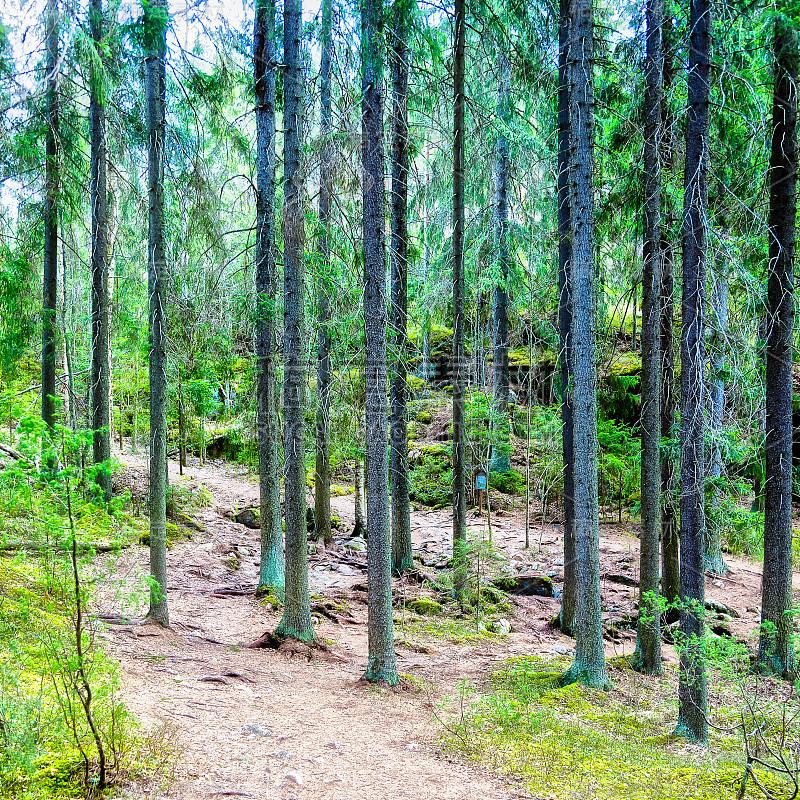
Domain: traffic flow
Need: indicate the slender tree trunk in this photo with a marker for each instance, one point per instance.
(101, 421)
(271, 572)
(52, 187)
(647, 657)
(712, 546)
(402, 558)
(156, 26)
(500, 445)
(296, 620)
(459, 431)
(360, 523)
(566, 617)
(776, 645)
(322, 473)
(589, 666)
(670, 550)
(381, 665)
(692, 690)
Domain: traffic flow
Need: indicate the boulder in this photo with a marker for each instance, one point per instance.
(250, 518)
(526, 584)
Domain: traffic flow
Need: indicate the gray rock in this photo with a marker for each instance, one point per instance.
(501, 627)
(250, 518)
(257, 729)
(721, 608)
(344, 569)
(622, 578)
(294, 778)
(357, 545)
(283, 755)
(561, 649)
(526, 584)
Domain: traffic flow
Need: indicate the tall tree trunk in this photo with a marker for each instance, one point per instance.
(500, 439)
(155, 14)
(670, 551)
(101, 420)
(459, 364)
(52, 184)
(712, 546)
(322, 471)
(566, 617)
(296, 620)
(360, 514)
(776, 645)
(647, 657)
(382, 665)
(589, 666)
(271, 572)
(402, 558)
(692, 690)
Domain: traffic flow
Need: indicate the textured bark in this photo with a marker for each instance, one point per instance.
(402, 557)
(51, 191)
(566, 617)
(360, 515)
(100, 380)
(382, 665)
(500, 433)
(692, 689)
(589, 666)
(712, 546)
(647, 657)
(271, 572)
(322, 470)
(155, 65)
(670, 550)
(459, 361)
(776, 645)
(296, 619)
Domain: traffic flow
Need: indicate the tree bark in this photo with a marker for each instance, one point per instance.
(692, 690)
(566, 617)
(500, 461)
(459, 361)
(776, 644)
(52, 187)
(647, 657)
(670, 551)
(712, 546)
(402, 557)
(322, 470)
(271, 572)
(155, 64)
(296, 621)
(382, 665)
(101, 420)
(589, 666)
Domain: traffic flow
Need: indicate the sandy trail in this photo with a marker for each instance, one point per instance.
(254, 723)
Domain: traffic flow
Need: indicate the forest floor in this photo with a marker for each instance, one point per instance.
(257, 723)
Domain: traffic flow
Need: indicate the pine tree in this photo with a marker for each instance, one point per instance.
(398, 318)
(271, 573)
(647, 657)
(776, 644)
(692, 683)
(589, 666)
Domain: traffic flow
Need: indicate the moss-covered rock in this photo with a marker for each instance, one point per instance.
(425, 606)
(507, 482)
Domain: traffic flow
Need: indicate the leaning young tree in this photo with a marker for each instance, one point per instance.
(566, 616)
(101, 422)
(776, 646)
(692, 692)
(589, 666)
(459, 429)
(155, 30)
(264, 69)
(51, 191)
(647, 657)
(322, 471)
(382, 664)
(398, 317)
(296, 621)
(500, 435)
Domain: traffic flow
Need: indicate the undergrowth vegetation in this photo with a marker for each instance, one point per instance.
(568, 742)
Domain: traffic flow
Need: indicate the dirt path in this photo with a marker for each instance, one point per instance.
(254, 723)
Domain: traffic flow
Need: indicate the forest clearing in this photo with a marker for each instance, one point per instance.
(399, 399)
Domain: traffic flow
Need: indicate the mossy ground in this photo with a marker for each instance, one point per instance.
(570, 742)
